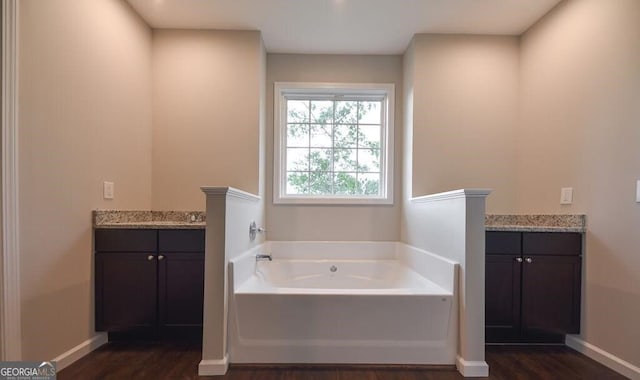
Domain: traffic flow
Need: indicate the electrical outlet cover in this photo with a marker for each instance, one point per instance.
(566, 195)
(107, 190)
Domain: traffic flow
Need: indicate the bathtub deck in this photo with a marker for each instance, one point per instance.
(154, 361)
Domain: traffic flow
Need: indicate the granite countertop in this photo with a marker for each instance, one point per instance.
(197, 220)
(536, 223)
(111, 219)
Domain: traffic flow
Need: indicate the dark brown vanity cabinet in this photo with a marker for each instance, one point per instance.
(149, 282)
(532, 289)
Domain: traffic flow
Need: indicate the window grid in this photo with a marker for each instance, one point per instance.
(357, 173)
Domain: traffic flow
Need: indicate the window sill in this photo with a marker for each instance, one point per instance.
(333, 201)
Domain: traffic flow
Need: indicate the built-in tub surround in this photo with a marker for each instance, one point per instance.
(339, 276)
(342, 302)
(149, 219)
(536, 223)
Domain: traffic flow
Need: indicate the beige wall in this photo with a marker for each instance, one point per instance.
(465, 102)
(581, 128)
(206, 114)
(296, 222)
(85, 117)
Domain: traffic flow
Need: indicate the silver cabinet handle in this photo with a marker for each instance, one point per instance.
(528, 260)
(150, 257)
(519, 259)
(160, 257)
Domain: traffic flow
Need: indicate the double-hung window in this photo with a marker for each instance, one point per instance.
(333, 143)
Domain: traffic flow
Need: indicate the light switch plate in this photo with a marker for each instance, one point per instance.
(566, 195)
(638, 191)
(107, 190)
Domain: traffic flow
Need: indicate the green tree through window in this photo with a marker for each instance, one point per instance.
(333, 147)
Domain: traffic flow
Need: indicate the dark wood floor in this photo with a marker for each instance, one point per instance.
(180, 361)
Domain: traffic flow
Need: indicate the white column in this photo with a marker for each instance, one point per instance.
(229, 213)
(471, 361)
(215, 358)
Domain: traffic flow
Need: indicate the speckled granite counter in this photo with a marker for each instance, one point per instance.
(536, 223)
(149, 219)
(197, 220)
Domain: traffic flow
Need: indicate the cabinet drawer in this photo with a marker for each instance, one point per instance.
(552, 243)
(181, 241)
(124, 240)
(502, 242)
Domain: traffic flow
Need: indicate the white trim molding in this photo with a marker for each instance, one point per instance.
(213, 367)
(382, 92)
(66, 359)
(10, 330)
(229, 191)
(453, 194)
(603, 357)
(472, 368)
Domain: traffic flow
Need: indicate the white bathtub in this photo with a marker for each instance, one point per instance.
(342, 303)
(290, 276)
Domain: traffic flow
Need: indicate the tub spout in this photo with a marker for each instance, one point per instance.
(262, 257)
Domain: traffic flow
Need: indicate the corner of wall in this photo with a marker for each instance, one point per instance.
(408, 62)
(263, 119)
(460, 131)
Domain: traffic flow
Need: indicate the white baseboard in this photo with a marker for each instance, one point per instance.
(67, 358)
(213, 367)
(472, 368)
(603, 357)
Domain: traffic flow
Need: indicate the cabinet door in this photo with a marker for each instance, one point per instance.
(181, 287)
(502, 298)
(126, 296)
(551, 294)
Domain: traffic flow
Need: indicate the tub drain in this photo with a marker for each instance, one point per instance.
(333, 268)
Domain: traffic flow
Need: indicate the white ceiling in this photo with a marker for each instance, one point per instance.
(345, 26)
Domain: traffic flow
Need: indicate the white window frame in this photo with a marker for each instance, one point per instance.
(284, 89)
